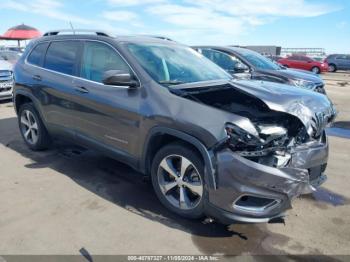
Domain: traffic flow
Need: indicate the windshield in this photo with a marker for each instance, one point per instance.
(260, 61)
(171, 64)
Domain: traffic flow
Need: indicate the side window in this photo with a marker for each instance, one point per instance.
(98, 58)
(62, 57)
(294, 58)
(341, 57)
(304, 58)
(223, 60)
(37, 54)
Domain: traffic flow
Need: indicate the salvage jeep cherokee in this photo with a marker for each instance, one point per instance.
(234, 150)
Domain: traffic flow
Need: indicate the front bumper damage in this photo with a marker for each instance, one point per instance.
(247, 191)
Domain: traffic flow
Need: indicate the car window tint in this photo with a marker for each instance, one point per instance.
(36, 56)
(341, 57)
(223, 60)
(97, 59)
(62, 57)
(293, 58)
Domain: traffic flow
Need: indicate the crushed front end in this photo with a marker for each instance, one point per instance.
(251, 188)
(274, 151)
(259, 174)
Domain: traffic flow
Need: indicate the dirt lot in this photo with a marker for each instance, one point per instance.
(65, 201)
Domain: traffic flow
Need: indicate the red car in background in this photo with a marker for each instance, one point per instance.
(305, 63)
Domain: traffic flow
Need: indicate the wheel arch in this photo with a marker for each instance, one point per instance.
(161, 136)
(20, 97)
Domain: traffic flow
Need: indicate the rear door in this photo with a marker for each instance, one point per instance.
(57, 92)
(107, 116)
(342, 62)
(347, 63)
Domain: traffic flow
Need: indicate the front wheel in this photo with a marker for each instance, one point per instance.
(178, 180)
(316, 70)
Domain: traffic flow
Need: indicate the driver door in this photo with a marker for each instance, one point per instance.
(106, 116)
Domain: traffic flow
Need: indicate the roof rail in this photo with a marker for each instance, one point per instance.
(160, 37)
(76, 32)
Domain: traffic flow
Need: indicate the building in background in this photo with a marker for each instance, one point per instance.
(311, 52)
(266, 50)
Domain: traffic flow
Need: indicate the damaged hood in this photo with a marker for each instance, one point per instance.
(294, 74)
(314, 110)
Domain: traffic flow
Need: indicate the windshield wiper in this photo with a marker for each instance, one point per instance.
(171, 82)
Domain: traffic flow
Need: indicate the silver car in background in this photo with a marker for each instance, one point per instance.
(6, 79)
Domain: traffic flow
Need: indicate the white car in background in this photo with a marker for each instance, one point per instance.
(6, 80)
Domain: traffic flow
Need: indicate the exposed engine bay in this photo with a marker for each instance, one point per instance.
(276, 134)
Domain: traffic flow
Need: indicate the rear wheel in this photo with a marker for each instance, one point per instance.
(332, 68)
(178, 180)
(31, 127)
(316, 70)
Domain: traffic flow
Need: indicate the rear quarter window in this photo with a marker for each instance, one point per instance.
(37, 54)
(62, 57)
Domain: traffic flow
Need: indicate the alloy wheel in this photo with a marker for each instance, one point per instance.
(315, 70)
(180, 182)
(29, 127)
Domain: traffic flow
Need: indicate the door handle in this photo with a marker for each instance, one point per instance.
(36, 77)
(81, 89)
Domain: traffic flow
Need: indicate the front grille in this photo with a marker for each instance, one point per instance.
(5, 75)
(6, 80)
(5, 89)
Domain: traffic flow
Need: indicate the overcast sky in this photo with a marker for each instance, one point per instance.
(288, 23)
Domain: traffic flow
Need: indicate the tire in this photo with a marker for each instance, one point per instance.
(189, 184)
(332, 68)
(32, 128)
(316, 70)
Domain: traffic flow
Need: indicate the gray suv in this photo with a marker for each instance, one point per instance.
(338, 62)
(234, 150)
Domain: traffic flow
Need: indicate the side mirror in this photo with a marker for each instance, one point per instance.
(240, 68)
(119, 78)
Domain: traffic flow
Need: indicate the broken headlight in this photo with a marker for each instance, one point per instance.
(303, 83)
(269, 136)
(240, 137)
(269, 148)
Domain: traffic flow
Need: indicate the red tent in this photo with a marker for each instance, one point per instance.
(20, 32)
